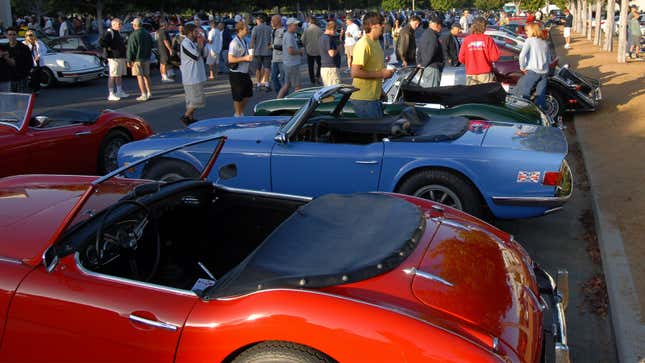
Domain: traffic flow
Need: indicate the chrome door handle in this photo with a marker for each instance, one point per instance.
(83, 133)
(366, 162)
(156, 324)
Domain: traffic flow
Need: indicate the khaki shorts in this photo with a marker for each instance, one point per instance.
(480, 78)
(349, 49)
(292, 76)
(116, 67)
(195, 97)
(330, 76)
(141, 68)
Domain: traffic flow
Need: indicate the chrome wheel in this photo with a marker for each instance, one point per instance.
(551, 106)
(440, 194)
(111, 152)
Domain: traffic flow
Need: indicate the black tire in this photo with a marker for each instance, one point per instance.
(554, 103)
(110, 148)
(47, 78)
(281, 352)
(170, 170)
(444, 187)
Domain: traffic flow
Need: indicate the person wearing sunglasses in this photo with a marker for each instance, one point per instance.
(37, 50)
(20, 62)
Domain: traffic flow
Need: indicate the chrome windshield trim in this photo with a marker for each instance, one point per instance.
(426, 275)
(264, 194)
(123, 280)
(10, 260)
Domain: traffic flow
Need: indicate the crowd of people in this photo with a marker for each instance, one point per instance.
(274, 48)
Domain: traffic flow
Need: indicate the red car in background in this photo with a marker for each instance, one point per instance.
(62, 141)
(127, 270)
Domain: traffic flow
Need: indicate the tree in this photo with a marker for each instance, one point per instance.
(622, 31)
(533, 5)
(444, 5)
(489, 4)
(609, 26)
(394, 4)
(598, 34)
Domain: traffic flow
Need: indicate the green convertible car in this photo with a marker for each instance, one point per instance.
(481, 102)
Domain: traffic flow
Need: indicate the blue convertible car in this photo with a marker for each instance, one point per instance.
(510, 170)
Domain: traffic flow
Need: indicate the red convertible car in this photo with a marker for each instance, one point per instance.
(62, 141)
(126, 270)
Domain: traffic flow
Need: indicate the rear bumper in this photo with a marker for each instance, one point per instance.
(556, 294)
(80, 76)
(562, 194)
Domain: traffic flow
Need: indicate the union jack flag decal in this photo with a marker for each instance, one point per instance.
(528, 177)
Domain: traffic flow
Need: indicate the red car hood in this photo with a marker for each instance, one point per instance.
(469, 279)
(33, 208)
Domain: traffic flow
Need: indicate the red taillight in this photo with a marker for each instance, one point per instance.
(552, 178)
(578, 87)
(573, 101)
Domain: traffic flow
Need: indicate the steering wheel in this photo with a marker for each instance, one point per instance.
(127, 237)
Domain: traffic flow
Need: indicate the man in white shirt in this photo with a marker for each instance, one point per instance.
(465, 21)
(214, 48)
(352, 34)
(193, 74)
(63, 31)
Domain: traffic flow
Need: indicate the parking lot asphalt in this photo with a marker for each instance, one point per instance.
(561, 240)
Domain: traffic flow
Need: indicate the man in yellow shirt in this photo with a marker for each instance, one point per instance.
(368, 70)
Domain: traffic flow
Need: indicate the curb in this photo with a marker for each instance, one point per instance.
(624, 304)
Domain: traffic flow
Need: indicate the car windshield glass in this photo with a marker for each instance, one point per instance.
(108, 189)
(293, 120)
(14, 109)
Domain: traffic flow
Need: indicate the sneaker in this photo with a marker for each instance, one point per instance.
(142, 98)
(122, 94)
(113, 97)
(167, 80)
(148, 96)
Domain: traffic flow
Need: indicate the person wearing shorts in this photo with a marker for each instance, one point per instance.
(193, 51)
(114, 50)
(239, 61)
(138, 54)
(568, 24)
(260, 43)
(291, 58)
(330, 55)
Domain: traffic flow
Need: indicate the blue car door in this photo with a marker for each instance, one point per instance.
(313, 169)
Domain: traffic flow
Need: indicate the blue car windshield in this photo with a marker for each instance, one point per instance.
(289, 126)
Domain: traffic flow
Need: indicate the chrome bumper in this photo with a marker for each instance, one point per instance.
(557, 293)
(563, 193)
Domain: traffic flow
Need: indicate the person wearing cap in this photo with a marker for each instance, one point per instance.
(368, 70)
(291, 56)
(450, 45)
(138, 55)
(352, 35)
(430, 55)
(568, 24)
(634, 33)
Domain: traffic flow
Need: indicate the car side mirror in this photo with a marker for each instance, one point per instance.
(38, 121)
(280, 138)
(228, 171)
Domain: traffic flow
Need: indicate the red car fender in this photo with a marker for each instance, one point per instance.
(135, 126)
(345, 329)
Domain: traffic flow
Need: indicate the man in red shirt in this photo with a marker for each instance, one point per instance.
(478, 52)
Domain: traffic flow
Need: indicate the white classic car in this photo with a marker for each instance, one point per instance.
(68, 67)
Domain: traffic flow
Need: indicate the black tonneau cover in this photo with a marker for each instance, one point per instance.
(490, 93)
(334, 239)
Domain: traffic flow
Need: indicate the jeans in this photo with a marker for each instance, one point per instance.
(532, 80)
(310, 64)
(277, 75)
(223, 61)
(372, 110)
(431, 77)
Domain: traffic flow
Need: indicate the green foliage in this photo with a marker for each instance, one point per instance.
(394, 4)
(489, 4)
(533, 5)
(444, 5)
